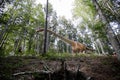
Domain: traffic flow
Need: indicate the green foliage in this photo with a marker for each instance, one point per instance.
(99, 29)
(4, 18)
(19, 21)
(55, 56)
(2, 52)
(110, 9)
(84, 9)
(91, 22)
(8, 65)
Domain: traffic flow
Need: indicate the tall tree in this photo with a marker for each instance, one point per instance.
(109, 31)
(45, 31)
(21, 18)
(90, 21)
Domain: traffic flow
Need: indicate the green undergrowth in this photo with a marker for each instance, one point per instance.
(11, 64)
(67, 55)
(7, 65)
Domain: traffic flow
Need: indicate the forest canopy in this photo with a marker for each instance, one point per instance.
(95, 23)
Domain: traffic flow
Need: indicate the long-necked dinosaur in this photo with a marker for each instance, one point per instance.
(76, 46)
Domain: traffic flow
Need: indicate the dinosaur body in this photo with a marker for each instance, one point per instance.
(76, 46)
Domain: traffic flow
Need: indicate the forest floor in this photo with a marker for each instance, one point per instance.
(97, 67)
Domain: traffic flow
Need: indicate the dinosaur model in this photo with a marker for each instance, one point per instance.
(76, 46)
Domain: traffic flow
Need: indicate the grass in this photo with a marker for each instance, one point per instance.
(67, 55)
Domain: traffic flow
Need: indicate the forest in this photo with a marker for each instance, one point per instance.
(37, 44)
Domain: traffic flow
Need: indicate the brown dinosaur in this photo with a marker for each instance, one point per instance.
(76, 46)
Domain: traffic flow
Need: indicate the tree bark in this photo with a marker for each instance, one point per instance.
(45, 30)
(114, 42)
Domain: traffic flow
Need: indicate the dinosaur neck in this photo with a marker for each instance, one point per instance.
(71, 42)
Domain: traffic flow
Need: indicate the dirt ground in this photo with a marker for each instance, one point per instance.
(99, 67)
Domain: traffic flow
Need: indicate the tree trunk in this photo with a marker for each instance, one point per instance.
(96, 45)
(115, 44)
(45, 30)
(101, 46)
